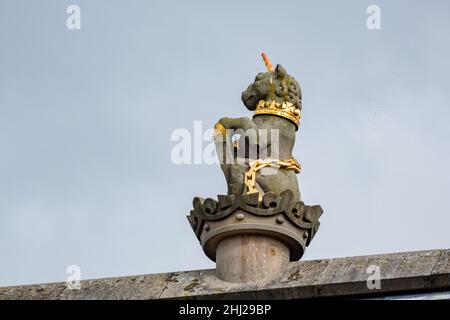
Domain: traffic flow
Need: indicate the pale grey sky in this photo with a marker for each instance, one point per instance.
(86, 116)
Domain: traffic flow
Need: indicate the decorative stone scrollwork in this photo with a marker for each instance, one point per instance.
(280, 215)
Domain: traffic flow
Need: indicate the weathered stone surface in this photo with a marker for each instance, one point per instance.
(349, 276)
(441, 270)
(132, 287)
(251, 258)
(400, 273)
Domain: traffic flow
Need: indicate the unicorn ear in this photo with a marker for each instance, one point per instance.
(280, 71)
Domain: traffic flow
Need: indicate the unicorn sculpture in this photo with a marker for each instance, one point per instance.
(262, 210)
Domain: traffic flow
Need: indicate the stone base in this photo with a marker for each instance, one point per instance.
(252, 240)
(401, 273)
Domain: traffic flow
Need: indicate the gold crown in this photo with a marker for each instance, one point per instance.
(285, 110)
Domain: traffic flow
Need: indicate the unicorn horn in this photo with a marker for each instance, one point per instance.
(267, 62)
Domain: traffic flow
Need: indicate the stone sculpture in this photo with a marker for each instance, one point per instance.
(262, 211)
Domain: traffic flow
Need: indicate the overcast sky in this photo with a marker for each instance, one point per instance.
(86, 117)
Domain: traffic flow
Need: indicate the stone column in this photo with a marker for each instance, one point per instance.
(251, 259)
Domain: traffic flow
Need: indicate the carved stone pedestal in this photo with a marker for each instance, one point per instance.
(252, 240)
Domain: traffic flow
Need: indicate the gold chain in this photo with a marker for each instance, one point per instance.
(255, 166)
